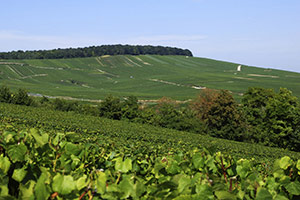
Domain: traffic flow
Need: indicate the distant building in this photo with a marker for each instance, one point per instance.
(239, 68)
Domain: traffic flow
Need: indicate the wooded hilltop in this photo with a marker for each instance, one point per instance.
(95, 51)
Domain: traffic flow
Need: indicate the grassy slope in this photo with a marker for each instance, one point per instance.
(122, 133)
(94, 78)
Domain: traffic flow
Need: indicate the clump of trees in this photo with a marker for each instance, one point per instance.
(274, 118)
(20, 97)
(263, 115)
(95, 51)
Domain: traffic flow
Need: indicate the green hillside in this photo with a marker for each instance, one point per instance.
(145, 76)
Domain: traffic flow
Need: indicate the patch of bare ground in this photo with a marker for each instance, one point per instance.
(244, 78)
(263, 75)
(139, 59)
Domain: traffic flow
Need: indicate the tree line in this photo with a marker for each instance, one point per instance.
(263, 116)
(95, 51)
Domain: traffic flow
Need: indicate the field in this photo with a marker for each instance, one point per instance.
(50, 154)
(125, 134)
(145, 76)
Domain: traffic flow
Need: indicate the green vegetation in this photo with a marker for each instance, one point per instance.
(124, 134)
(144, 76)
(46, 153)
(265, 117)
(120, 148)
(38, 165)
(95, 51)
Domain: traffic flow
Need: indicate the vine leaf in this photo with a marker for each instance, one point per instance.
(63, 184)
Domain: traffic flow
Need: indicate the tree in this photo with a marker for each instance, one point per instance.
(22, 98)
(130, 108)
(111, 108)
(224, 119)
(5, 94)
(274, 117)
(203, 103)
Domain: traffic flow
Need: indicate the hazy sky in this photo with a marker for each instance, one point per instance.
(263, 33)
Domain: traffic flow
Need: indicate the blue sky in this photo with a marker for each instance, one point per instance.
(263, 33)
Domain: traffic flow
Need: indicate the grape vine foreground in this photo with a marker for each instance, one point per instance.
(38, 165)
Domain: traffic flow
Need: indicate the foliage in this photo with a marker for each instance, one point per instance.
(130, 108)
(64, 105)
(125, 134)
(203, 103)
(274, 117)
(5, 94)
(111, 108)
(44, 166)
(95, 51)
(224, 118)
(22, 98)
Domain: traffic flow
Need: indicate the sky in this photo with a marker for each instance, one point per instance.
(263, 33)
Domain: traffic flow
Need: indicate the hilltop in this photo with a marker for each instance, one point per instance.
(145, 76)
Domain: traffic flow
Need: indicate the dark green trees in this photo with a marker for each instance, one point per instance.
(224, 118)
(95, 51)
(5, 94)
(20, 97)
(111, 108)
(274, 117)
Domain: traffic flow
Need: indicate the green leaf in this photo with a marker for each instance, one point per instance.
(41, 191)
(4, 164)
(298, 166)
(198, 161)
(183, 183)
(139, 189)
(72, 149)
(19, 174)
(184, 197)
(243, 168)
(263, 194)
(81, 182)
(8, 136)
(101, 182)
(172, 167)
(293, 188)
(63, 184)
(17, 152)
(26, 191)
(285, 162)
(3, 190)
(210, 162)
(205, 192)
(126, 186)
(41, 139)
(224, 195)
(280, 197)
(123, 166)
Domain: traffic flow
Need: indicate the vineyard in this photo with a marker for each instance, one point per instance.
(149, 77)
(47, 154)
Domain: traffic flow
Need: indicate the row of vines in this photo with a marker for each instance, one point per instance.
(38, 165)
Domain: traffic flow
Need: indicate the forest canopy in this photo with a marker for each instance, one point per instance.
(95, 51)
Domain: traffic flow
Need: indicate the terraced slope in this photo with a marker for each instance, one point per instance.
(145, 76)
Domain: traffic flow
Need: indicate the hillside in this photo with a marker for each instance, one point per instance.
(145, 76)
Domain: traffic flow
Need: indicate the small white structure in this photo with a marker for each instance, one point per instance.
(239, 68)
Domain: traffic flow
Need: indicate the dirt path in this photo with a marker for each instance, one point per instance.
(139, 59)
(99, 61)
(14, 71)
(134, 63)
(262, 75)
(177, 84)
(35, 75)
(11, 63)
